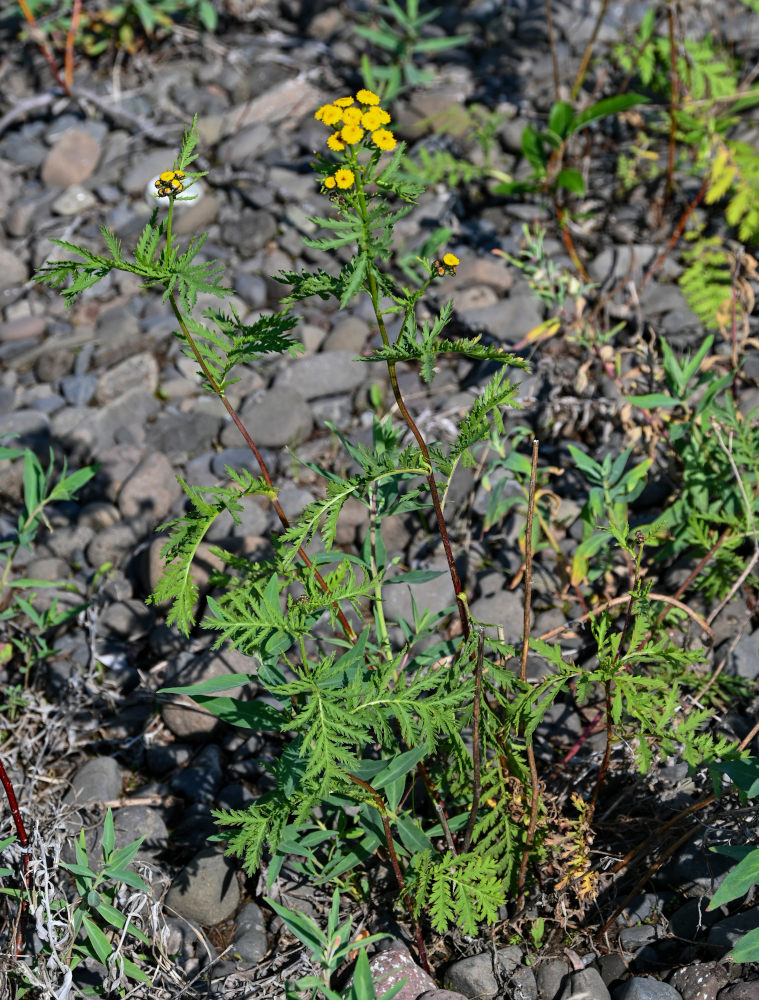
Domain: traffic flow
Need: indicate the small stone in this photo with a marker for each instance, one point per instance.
(509, 320)
(72, 159)
(115, 543)
(23, 328)
(394, 964)
(276, 418)
(73, 200)
(150, 489)
(586, 983)
(700, 981)
(133, 822)
(551, 977)
(140, 370)
(145, 168)
(324, 374)
(98, 780)
(250, 942)
(78, 390)
(200, 780)
(13, 270)
(250, 231)
(644, 988)
(348, 334)
(129, 619)
(206, 890)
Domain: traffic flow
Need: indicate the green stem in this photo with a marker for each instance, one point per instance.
(379, 611)
(430, 475)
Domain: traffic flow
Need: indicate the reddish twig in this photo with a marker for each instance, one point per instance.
(380, 806)
(36, 33)
(68, 60)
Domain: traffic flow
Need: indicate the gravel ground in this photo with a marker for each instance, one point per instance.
(106, 381)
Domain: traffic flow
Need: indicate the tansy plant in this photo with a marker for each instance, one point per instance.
(345, 687)
(365, 709)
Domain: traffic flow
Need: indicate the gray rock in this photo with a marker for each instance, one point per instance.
(509, 320)
(78, 390)
(13, 269)
(741, 991)
(132, 822)
(276, 418)
(550, 977)
(22, 328)
(150, 490)
(98, 780)
(725, 934)
(693, 918)
(112, 544)
(433, 595)
(441, 995)
(325, 374)
(474, 976)
(72, 159)
(250, 143)
(128, 619)
(195, 827)
(633, 938)
(138, 371)
(250, 942)
(206, 890)
(349, 334)
(145, 168)
(614, 264)
(743, 659)
(73, 200)
(31, 429)
(585, 983)
(250, 231)
(504, 608)
(163, 758)
(700, 981)
(644, 988)
(182, 434)
(200, 780)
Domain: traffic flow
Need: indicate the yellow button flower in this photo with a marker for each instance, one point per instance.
(334, 143)
(343, 102)
(351, 134)
(344, 178)
(382, 116)
(367, 97)
(329, 182)
(329, 114)
(372, 119)
(352, 116)
(451, 260)
(384, 139)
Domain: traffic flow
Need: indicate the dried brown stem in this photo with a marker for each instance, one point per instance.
(36, 33)
(68, 60)
(585, 62)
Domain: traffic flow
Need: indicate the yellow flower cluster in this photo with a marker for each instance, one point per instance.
(170, 182)
(351, 118)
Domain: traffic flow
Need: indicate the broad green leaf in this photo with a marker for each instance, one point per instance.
(571, 180)
(401, 765)
(738, 881)
(608, 106)
(100, 943)
(109, 838)
(212, 685)
(247, 714)
(560, 118)
(747, 949)
(302, 926)
(653, 399)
